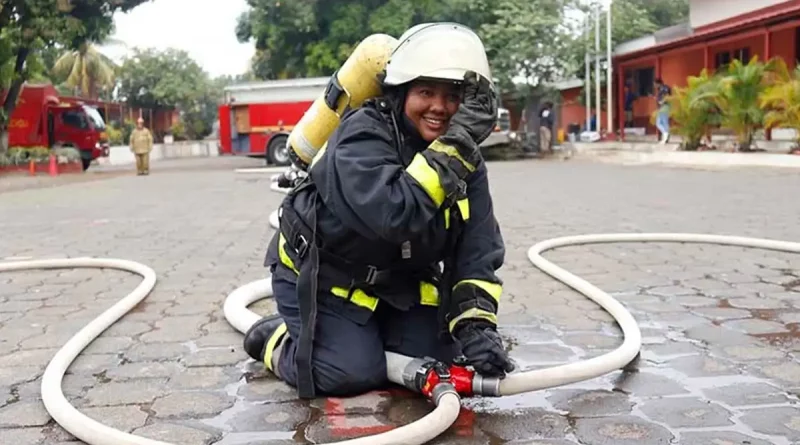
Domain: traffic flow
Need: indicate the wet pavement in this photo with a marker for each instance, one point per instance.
(720, 324)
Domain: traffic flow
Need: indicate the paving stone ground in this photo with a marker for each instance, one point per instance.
(720, 324)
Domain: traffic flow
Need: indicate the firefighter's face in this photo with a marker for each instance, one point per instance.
(430, 105)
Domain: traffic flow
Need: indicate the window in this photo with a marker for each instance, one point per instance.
(641, 81)
(723, 58)
(96, 118)
(743, 55)
(75, 119)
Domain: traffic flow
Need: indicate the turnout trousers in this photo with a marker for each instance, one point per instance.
(348, 356)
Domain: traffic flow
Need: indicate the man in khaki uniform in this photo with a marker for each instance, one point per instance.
(141, 143)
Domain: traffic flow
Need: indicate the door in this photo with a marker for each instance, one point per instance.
(72, 128)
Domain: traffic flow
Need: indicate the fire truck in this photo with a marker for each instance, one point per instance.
(43, 119)
(255, 119)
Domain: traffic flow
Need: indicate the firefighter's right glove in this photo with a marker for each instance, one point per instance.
(483, 348)
(470, 126)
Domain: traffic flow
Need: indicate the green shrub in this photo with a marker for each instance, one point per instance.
(23, 155)
(115, 134)
(693, 112)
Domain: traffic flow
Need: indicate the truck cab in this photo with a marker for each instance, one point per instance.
(80, 126)
(43, 119)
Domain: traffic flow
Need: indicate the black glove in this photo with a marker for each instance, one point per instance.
(474, 121)
(483, 348)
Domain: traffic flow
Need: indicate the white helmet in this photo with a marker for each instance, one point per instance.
(437, 50)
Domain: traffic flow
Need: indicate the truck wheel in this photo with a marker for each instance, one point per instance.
(277, 153)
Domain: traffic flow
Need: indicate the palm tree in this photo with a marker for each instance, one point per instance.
(737, 94)
(693, 115)
(86, 70)
(781, 100)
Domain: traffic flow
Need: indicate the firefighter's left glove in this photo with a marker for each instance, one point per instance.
(483, 348)
(470, 126)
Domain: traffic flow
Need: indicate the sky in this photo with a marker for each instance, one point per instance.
(204, 28)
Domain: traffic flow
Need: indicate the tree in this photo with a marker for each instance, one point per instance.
(167, 79)
(527, 42)
(313, 38)
(86, 70)
(28, 27)
(631, 19)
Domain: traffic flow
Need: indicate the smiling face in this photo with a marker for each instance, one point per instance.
(430, 105)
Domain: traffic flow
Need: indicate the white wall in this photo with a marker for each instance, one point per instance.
(122, 155)
(704, 12)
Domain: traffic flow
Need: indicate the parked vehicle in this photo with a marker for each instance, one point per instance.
(43, 119)
(255, 119)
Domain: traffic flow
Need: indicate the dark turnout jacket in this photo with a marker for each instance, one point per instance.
(379, 204)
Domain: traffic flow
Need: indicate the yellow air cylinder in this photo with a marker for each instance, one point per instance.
(351, 85)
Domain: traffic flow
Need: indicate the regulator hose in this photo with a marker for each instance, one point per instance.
(447, 400)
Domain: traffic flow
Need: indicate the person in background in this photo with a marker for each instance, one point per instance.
(546, 122)
(141, 143)
(662, 119)
(630, 97)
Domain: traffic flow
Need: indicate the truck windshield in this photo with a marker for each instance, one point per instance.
(95, 117)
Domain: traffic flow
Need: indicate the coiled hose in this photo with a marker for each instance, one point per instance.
(447, 401)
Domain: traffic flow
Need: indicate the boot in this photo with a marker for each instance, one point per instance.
(264, 338)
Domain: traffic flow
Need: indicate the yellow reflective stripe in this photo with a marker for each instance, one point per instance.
(427, 177)
(451, 151)
(319, 154)
(493, 289)
(273, 340)
(429, 294)
(359, 298)
(463, 206)
(446, 219)
(473, 313)
(283, 255)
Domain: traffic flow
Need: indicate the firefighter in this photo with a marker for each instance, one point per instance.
(400, 188)
(141, 143)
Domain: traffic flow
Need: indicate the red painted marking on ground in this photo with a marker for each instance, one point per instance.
(339, 423)
(464, 424)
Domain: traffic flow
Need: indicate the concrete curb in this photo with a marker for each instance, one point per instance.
(630, 153)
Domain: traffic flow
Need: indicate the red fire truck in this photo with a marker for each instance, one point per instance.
(43, 119)
(256, 118)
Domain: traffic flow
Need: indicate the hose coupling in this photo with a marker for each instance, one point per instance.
(440, 390)
(425, 375)
(486, 386)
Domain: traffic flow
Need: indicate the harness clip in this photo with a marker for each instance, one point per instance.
(372, 275)
(302, 249)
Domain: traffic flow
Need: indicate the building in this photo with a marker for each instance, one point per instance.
(718, 31)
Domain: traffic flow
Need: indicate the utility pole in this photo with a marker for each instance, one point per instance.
(610, 74)
(597, 65)
(587, 80)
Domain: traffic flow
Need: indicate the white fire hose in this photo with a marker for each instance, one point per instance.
(447, 401)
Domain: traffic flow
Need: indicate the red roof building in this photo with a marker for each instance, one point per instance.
(718, 31)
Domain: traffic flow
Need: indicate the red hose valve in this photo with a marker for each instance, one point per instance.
(462, 379)
(433, 373)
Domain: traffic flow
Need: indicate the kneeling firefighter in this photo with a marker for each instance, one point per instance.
(400, 190)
